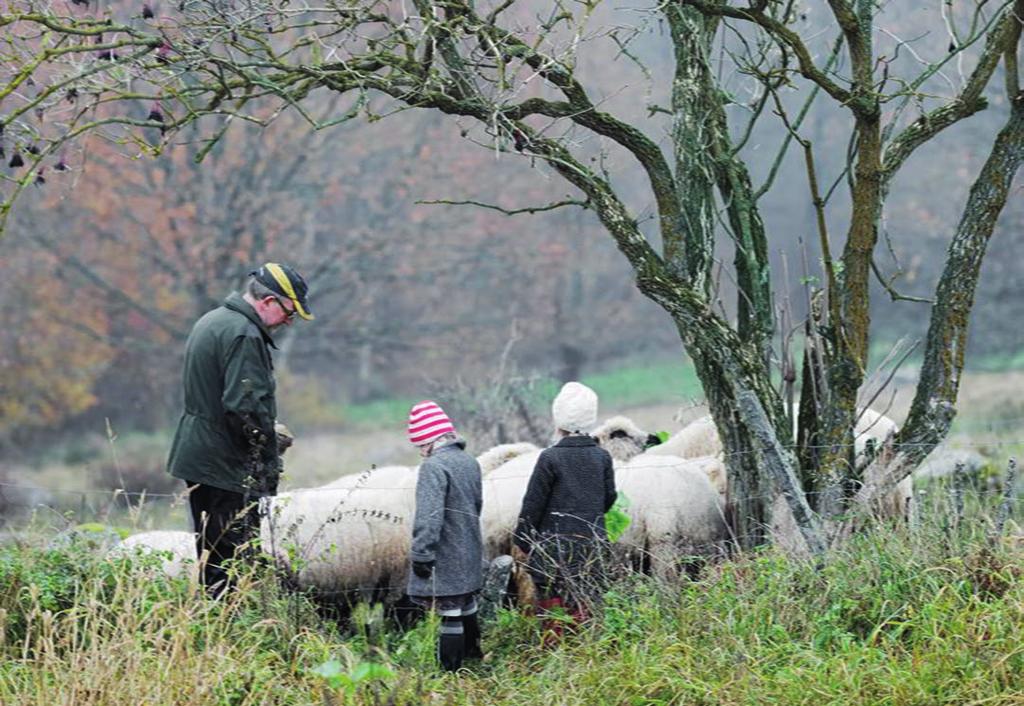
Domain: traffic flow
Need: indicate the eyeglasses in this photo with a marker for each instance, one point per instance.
(288, 313)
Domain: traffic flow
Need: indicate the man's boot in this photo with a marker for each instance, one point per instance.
(451, 643)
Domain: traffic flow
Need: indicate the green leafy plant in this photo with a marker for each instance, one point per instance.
(338, 679)
(616, 521)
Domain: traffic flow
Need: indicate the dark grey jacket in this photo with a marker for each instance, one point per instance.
(572, 486)
(446, 527)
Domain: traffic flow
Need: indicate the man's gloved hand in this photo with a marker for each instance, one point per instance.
(423, 569)
(255, 435)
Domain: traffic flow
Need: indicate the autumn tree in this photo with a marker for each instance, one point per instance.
(40, 334)
(517, 74)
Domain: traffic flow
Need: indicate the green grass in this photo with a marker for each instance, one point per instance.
(896, 617)
(976, 361)
(379, 413)
(662, 382)
(629, 385)
(998, 363)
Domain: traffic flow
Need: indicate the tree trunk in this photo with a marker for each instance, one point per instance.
(934, 406)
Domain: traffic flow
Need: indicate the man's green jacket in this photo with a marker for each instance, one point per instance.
(226, 436)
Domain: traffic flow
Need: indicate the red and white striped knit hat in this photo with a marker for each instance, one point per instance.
(427, 421)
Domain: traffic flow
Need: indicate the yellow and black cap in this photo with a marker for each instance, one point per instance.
(288, 283)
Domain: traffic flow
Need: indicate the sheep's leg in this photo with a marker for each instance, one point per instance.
(526, 591)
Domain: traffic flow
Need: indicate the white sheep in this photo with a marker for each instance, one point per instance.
(714, 468)
(503, 491)
(698, 438)
(943, 461)
(875, 428)
(179, 548)
(622, 438)
(505, 485)
(351, 536)
(872, 428)
(503, 453)
(675, 510)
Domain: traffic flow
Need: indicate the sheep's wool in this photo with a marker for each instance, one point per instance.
(575, 408)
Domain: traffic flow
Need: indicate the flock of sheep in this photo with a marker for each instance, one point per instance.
(351, 537)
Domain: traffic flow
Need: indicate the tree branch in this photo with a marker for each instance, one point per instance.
(783, 34)
(506, 211)
(970, 100)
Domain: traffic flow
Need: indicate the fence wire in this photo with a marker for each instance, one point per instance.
(347, 507)
(945, 447)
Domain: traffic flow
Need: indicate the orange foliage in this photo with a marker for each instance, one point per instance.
(50, 352)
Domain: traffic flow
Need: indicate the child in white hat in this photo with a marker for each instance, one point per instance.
(561, 524)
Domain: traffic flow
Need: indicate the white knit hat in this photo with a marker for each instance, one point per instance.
(575, 408)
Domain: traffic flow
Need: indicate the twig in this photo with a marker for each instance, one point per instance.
(893, 294)
(888, 379)
(510, 212)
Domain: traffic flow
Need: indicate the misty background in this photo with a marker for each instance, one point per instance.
(108, 265)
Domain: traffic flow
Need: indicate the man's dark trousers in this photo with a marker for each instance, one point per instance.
(223, 521)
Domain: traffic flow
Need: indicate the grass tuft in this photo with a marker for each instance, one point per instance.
(929, 616)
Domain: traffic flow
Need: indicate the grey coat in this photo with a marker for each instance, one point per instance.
(446, 527)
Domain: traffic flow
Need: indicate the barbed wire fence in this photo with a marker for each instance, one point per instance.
(943, 506)
(954, 509)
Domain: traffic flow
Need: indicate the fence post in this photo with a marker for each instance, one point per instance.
(1005, 505)
(956, 496)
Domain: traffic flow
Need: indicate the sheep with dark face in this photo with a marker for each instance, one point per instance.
(698, 438)
(622, 438)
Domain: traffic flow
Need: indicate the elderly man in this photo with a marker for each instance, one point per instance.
(226, 448)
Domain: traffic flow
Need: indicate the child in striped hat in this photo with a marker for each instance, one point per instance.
(447, 546)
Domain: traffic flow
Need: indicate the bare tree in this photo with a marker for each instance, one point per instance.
(514, 71)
